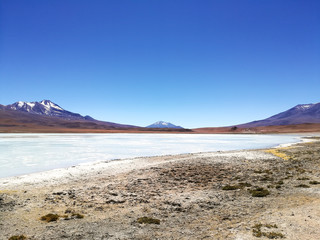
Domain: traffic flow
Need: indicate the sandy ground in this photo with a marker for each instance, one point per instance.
(183, 197)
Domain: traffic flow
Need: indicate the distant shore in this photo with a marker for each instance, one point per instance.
(218, 195)
(33, 128)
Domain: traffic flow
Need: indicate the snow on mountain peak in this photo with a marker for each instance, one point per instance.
(163, 124)
(304, 106)
(20, 103)
(49, 104)
(31, 104)
(46, 107)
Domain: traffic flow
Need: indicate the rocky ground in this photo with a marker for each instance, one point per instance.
(254, 194)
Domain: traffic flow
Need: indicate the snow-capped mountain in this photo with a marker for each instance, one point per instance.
(47, 108)
(302, 113)
(162, 124)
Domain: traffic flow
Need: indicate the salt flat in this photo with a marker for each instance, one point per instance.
(30, 153)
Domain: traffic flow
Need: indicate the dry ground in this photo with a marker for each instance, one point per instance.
(191, 196)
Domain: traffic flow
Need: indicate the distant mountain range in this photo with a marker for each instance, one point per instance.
(46, 108)
(302, 113)
(48, 115)
(162, 124)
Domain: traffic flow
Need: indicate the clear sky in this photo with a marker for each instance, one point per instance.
(193, 63)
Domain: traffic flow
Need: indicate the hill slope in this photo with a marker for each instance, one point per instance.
(46, 108)
(302, 113)
(46, 116)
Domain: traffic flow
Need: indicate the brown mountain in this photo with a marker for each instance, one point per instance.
(301, 118)
(48, 117)
(300, 114)
(17, 121)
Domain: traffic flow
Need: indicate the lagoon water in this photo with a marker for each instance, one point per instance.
(28, 153)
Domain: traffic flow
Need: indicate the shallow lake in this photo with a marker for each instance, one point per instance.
(29, 153)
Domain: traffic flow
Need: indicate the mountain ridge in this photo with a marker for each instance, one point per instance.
(46, 114)
(48, 117)
(47, 108)
(299, 114)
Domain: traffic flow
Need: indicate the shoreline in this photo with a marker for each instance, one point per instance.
(59, 175)
(207, 195)
(77, 170)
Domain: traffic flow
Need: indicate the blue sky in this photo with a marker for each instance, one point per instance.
(193, 63)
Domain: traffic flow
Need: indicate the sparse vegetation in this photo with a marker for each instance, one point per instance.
(314, 182)
(231, 187)
(50, 217)
(259, 192)
(279, 153)
(302, 186)
(267, 178)
(301, 170)
(267, 171)
(280, 182)
(303, 178)
(77, 215)
(271, 226)
(18, 237)
(244, 184)
(288, 176)
(74, 215)
(147, 220)
(151, 192)
(273, 235)
(68, 210)
(257, 231)
(240, 185)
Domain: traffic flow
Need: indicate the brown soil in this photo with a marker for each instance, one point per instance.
(297, 128)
